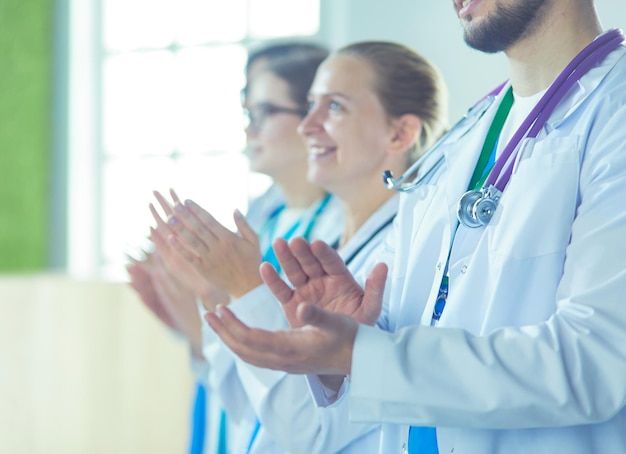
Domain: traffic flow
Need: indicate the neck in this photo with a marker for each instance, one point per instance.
(359, 208)
(299, 193)
(537, 60)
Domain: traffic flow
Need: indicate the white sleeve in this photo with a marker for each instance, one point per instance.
(375, 252)
(199, 369)
(222, 379)
(568, 370)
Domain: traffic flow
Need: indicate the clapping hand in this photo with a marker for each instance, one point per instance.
(227, 259)
(323, 307)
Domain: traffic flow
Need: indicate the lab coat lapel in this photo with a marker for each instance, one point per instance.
(461, 160)
(582, 89)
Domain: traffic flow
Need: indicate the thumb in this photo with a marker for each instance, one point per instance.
(244, 228)
(372, 303)
(336, 343)
(310, 314)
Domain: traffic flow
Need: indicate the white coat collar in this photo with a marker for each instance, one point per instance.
(582, 89)
(461, 160)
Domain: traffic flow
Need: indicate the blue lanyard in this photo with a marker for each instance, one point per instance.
(255, 432)
(483, 166)
(269, 255)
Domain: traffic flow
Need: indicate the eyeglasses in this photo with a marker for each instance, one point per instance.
(255, 116)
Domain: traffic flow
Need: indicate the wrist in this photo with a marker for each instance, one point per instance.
(245, 287)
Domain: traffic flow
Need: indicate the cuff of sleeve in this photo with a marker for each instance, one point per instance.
(259, 309)
(219, 358)
(324, 396)
(367, 381)
(200, 369)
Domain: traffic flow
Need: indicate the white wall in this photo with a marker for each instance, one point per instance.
(86, 368)
(431, 28)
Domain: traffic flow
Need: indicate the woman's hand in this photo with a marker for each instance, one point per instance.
(176, 265)
(226, 259)
(140, 274)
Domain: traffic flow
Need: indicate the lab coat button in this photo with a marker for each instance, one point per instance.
(464, 269)
(404, 447)
(439, 266)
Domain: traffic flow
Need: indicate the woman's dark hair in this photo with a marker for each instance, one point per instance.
(275, 51)
(298, 71)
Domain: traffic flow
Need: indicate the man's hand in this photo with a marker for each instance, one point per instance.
(320, 277)
(323, 345)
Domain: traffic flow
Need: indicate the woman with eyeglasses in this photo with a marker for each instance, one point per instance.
(274, 103)
(373, 106)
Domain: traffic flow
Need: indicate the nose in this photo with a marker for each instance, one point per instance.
(311, 123)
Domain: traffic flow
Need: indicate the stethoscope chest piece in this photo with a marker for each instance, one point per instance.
(477, 207)
(465, 208)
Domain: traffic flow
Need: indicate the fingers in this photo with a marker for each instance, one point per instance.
(187, 241)
(130, 259)
(339, 332)
(307, 259)
(188, 247)
(244, 228)
(195, 229)
(373, 295)
(309, 314)
(175, 197)
(165, 205)
(277, 286)
(159, 240)
(199, 219)
(302, 261)
(155, 214)
(328, 259)
(239, 338)
(305, 350)
(290, 264)
(184, 220)
(162, 227)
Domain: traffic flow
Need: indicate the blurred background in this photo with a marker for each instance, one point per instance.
(101, 102)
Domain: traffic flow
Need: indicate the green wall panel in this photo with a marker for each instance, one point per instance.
(25, 97)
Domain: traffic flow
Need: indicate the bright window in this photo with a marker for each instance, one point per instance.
(167, 113)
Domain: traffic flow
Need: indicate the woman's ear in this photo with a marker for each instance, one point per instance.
(406, 131)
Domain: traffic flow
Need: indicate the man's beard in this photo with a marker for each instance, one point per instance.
(505, 27)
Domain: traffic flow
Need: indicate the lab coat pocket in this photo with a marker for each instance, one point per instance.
(539, 204)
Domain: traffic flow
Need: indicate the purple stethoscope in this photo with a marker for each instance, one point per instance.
(477, 206)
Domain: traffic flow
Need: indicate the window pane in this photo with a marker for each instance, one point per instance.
(217, 183)
(203, 21)
(139, 103)
(171, 113)
(132, 24)
(208, 115)
(273, 18)
(128, 186)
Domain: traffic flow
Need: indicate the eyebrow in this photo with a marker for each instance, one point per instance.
(330, 94)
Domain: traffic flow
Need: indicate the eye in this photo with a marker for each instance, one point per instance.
(310, 106)
(335, 106)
